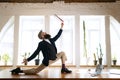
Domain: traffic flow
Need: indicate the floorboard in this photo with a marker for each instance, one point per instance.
(52, 73)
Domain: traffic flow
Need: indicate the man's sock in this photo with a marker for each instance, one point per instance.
(63, 66)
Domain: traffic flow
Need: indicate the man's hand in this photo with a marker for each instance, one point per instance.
(24, 61)
(62, 24)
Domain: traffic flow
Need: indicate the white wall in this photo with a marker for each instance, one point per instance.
(10, 9)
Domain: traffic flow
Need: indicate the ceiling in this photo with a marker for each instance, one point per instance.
(50, 1)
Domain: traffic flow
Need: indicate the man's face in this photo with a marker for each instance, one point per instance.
(44, 35)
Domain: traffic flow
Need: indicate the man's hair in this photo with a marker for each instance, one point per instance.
(39, 34)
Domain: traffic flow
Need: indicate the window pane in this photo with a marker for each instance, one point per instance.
(6, 46)
(115, 39)
(66, 41)
(94, 34)
(29, 29)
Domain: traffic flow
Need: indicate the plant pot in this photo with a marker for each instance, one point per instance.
(100, 61)
(37, 61)
(95, 62)
(25, 63)
(114, 62)
(5, 63)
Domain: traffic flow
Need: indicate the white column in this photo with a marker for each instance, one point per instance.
(77, 41)
(47, 23)
(107, 40)
(16, 40)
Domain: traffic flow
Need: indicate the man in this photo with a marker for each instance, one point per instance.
(49, 50)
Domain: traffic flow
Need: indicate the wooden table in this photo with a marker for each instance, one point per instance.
(54, 73)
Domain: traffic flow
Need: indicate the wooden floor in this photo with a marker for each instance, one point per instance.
(54, 73)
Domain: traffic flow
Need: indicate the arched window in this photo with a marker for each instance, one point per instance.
(6, 42)
(115, 40)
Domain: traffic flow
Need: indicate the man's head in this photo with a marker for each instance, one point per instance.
(43, 35)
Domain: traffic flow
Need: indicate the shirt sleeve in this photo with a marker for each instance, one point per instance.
(58, 35)
(36, 52)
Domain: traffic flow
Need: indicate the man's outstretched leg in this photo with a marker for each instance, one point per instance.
(29, 71)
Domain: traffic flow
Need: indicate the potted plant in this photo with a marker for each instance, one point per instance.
(85, 43)
(37, 61)
(5, 58)
(25, 57)
(100, 54)
(114, 61)
(95, 60)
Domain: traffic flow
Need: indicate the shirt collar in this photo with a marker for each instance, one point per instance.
(47, 41)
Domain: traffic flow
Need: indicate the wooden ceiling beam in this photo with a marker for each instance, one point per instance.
(85, 1)
(50, 1)
(27, 1)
